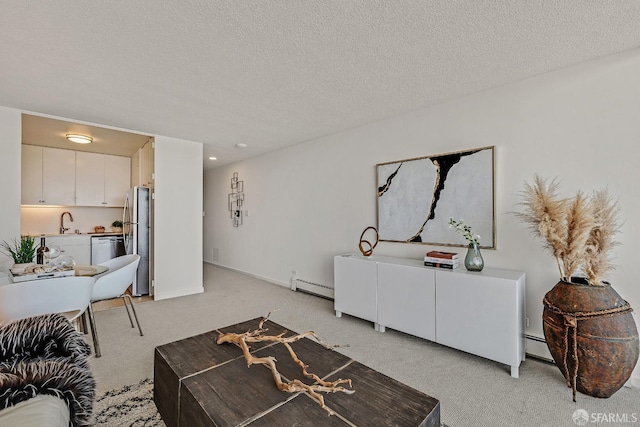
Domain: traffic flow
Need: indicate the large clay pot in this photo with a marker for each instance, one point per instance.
(591, 335)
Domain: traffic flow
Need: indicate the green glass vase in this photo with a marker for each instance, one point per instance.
(473, 261)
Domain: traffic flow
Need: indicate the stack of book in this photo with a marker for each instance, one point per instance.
(441, 259)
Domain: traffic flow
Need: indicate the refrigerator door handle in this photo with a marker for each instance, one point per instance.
(126, 224)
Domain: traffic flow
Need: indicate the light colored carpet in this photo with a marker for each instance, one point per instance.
(472, 391)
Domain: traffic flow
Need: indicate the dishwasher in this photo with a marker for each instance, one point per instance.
(104, 248)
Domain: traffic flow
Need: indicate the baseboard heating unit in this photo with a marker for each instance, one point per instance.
(313, 288)
(537, 347)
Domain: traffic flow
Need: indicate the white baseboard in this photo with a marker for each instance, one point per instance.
(246, 273)
(157, 296)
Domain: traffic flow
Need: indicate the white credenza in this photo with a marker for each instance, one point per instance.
(482, 313)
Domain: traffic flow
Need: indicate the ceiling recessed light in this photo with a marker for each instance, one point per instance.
(213, 158)
(241, 145)
(79, 139)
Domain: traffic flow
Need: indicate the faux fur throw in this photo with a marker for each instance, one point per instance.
(45, 355)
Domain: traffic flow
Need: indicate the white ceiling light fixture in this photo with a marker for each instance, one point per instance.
(213, 158)
(241, 145)
(79, 139)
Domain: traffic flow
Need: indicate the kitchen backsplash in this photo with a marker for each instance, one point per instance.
(46, 219)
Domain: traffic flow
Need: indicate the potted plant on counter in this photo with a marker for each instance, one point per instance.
(116, 226)
(588, 327)
(22, 252)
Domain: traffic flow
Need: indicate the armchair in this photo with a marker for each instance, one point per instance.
(44, 356)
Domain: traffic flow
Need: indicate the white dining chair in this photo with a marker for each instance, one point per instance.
(113, 284)
(66, 295)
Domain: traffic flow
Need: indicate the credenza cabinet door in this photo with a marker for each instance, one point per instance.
(481, 314)
(355, 283)
(407, 299)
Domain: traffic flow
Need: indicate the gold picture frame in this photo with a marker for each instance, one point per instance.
(416, 197)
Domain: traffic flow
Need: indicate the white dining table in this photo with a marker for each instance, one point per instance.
(89, 270)
(78, 270)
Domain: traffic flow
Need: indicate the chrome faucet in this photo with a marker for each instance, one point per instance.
(62, 228)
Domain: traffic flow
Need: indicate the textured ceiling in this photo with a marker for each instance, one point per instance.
(275, 73)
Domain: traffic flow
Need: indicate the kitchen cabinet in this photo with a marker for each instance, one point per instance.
(482, 313)
(142, 165)
(89, 179)
(78, 246)
(136, 169)
(48, 176)
(116, 179)
(148, 164)
(101, 179)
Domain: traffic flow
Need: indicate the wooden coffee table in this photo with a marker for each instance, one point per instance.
(200, 383)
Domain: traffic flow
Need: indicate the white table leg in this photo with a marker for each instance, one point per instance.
(338, 313)
(378, 327)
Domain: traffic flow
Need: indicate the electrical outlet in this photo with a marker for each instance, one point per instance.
(294, 273)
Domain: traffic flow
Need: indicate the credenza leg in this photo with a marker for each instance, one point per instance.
(338, 313)
(515, 371)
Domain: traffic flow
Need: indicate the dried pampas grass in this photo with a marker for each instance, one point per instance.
(578, 231)
(602, 237)
(579, 223)
(544, 213)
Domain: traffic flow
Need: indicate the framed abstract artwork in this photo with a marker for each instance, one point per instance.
(416, 197)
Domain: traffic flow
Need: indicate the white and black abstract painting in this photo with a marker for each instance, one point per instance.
(416, 198)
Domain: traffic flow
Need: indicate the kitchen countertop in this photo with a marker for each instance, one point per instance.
(89, 233)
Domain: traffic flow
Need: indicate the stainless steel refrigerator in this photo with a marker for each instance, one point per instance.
(136, 223)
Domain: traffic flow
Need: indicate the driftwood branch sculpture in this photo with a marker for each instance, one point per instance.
(293, 386)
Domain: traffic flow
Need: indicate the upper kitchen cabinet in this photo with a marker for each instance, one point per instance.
(147, 164)
(48, 176)
(101, 179)
(117, 173)
(142, 165)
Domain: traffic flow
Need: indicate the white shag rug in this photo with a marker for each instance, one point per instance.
(131, 405)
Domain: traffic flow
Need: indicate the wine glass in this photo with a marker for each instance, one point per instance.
(65, 262)
(52, 253)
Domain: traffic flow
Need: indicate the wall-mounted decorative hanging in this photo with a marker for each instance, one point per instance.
(416, 197)
(236, 199)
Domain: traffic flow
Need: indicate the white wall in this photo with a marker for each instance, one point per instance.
(311, 202)
(178, 217)
(10, 152)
